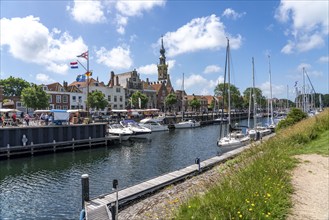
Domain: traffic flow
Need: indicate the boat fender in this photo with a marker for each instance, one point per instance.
(82, 215)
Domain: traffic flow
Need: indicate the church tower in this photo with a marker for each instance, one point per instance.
(162, 66)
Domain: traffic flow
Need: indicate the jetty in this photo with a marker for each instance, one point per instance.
(106, 206)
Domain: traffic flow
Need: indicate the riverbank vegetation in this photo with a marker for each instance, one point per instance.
(258, 182)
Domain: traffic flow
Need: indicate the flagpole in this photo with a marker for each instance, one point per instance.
(88, 84)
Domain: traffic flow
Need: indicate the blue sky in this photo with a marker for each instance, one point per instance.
(40, 38)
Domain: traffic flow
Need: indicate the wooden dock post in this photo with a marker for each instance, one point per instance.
(85, 188)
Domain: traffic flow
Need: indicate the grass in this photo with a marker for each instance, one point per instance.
(258, 182)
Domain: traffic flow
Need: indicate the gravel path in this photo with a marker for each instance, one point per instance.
(311, 184)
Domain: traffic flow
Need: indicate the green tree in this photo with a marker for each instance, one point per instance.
(97, 100)
(260, 99)
(195, 104)
(295, 115)
(13, 86)
(135, 97)
(170, 100)
(35, 97)
(236, 99)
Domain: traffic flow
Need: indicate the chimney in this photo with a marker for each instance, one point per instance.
(65, 84)
(117, 80)
(112, 79)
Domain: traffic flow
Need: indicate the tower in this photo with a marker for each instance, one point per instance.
(162, 66)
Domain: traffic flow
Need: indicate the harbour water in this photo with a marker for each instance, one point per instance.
(48, 186)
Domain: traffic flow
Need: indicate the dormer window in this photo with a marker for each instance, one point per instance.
(45, 88)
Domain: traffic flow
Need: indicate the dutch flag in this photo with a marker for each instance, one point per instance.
(74, 65)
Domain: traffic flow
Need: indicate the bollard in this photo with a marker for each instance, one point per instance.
(197, 161)
(85, 188)
(115, 208)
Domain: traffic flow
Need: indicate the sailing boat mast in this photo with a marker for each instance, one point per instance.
(253, 93)
(271, 98)
(229, 81)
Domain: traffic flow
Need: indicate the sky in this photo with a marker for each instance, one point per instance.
(39, 39)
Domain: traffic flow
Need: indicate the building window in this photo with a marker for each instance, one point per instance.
(58, 99)
(74, 98)
(118, 90)
(58, 107)
(64, 107)
(120, 98)
(109, 98)
(121, 107)
(115, 98)
(51, 106)
(50, 99)
(114, 106)
(65, 99)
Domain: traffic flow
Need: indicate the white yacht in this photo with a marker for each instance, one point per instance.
(117, 131)
(187, 123)
(138, 131)
(153, 124)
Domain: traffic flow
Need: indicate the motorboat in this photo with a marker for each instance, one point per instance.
(117, 131)
(138, 131)
(187, 123)
(231, 141)
(220, 120)
(153, 124)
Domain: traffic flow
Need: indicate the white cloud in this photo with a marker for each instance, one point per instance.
(43, 78)
(230, 13)
(324, 59)
(150, 69)
(117, 58)
(199, 34)
(30, 41)
(308, 24)
(127, 9)
(135, 8)
(277, 90)
(121, 22)
(303, 65)
(87, 11)
(198, 84)
(212, 69)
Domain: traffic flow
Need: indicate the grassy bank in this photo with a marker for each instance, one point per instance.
(258, 184)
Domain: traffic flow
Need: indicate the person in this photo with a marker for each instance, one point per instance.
(46, 119)
(14, 118)
(2, 120)
(22, 115)
(27, 119)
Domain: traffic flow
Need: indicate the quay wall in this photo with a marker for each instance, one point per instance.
(13, 136)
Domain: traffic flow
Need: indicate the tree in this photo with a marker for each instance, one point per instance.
(236, 99)
(170, 100)
(35, 97)
(295, 115)
(260, 99)
(195, 103)
(135, 97)
(13, 86)
(97, 100)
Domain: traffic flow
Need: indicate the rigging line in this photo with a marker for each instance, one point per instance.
(310, 81)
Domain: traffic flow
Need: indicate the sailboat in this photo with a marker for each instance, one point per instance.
(258, 131)
(271, 125)
(234, 137)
